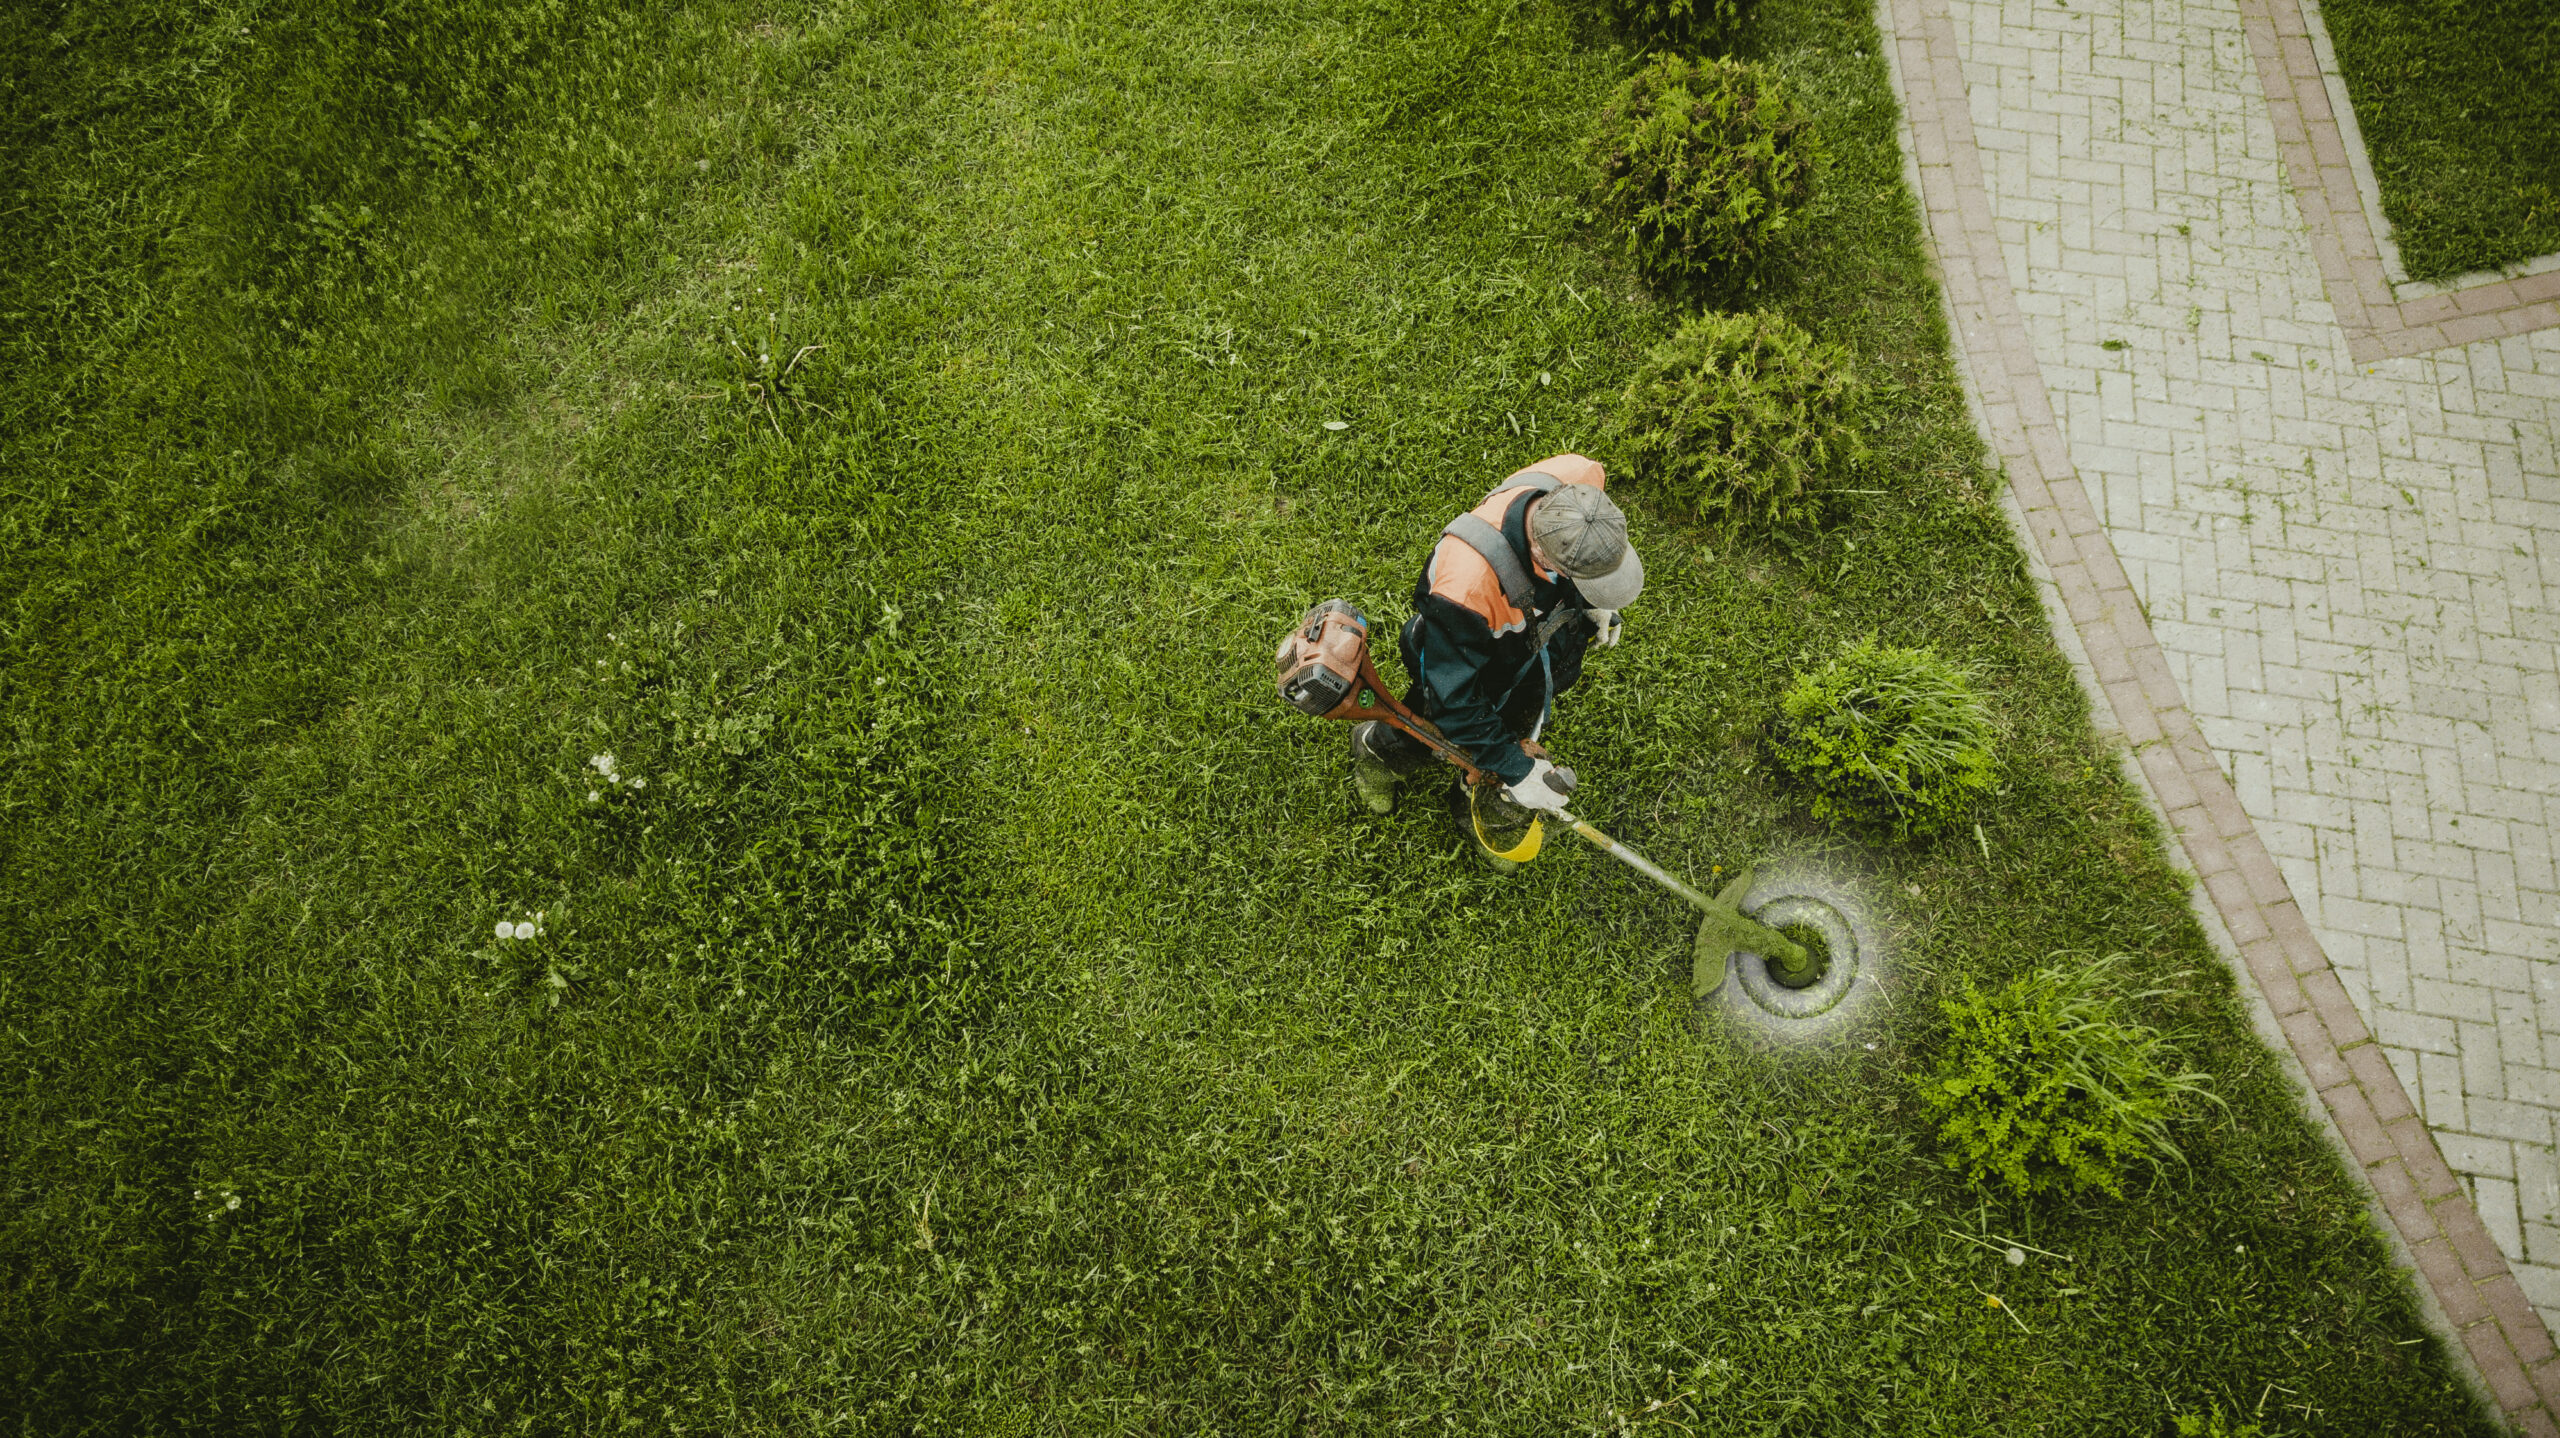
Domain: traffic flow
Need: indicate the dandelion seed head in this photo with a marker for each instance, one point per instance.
(506, 930)
(2016, 1256)
(592, 796)
(232, 1202)
(524, 930)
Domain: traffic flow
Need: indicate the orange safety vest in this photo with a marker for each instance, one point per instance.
(1465, 578)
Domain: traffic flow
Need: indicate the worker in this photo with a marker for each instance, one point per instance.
(1516, 590)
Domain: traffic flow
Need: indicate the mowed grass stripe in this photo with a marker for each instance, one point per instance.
(1000, 1020)
(1366, 1133)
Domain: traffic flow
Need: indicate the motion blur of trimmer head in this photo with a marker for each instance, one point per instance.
(1325, 671)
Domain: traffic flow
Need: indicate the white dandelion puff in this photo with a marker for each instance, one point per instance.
(232, 1202)
(602, 763)
(506, 930)
(592, 796)
(639, 783)
(524, 930)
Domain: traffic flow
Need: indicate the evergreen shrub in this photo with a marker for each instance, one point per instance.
(1739, 419)
(2049, 1084)
(1704, 164)
(1692, 25)
(1886, 738)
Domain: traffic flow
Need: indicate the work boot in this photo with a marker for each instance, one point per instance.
(1505, 823)
(1371, 773)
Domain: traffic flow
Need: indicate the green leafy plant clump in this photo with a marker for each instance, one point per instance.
(1740, 419)
(2049, 1084)
(1704, 164)
(1887, 738)
(1685, 24)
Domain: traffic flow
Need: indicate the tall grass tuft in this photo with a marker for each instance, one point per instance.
(2049, 1084)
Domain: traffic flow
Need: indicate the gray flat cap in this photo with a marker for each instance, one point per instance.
(1585, 533)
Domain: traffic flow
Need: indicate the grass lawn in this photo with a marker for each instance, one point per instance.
(989, 1013)
(2460, 107)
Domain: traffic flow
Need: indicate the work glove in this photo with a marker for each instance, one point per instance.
(1611, 631)
(1546, 788)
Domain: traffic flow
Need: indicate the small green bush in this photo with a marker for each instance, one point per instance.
(1886, 738)
(1704, 164)
(1738, 419)
(2047, 1083)
(1691, 25)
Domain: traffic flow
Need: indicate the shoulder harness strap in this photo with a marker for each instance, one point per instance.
(1484, 539)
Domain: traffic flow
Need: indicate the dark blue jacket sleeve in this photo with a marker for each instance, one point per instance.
(1465, 689)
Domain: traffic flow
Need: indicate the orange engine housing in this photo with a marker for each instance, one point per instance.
(1321, 659)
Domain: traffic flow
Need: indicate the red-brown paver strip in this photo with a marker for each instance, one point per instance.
(2379, 325)
(2375, 1120)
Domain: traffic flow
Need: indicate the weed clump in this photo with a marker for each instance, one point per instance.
(2049, 1084)
(1886, 738)
(1684, 24)
(1704, 164)
(1739, 419)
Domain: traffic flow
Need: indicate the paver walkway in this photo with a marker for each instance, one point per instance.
(2338, 539)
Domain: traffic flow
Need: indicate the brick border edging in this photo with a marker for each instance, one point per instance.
(2379, 324)
(2393, 1151)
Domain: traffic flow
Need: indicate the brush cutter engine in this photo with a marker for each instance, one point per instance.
(1323, 660)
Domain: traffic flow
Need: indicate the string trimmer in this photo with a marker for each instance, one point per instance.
(1325, 671)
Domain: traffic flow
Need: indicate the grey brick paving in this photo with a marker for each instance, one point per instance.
(2354, 568)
